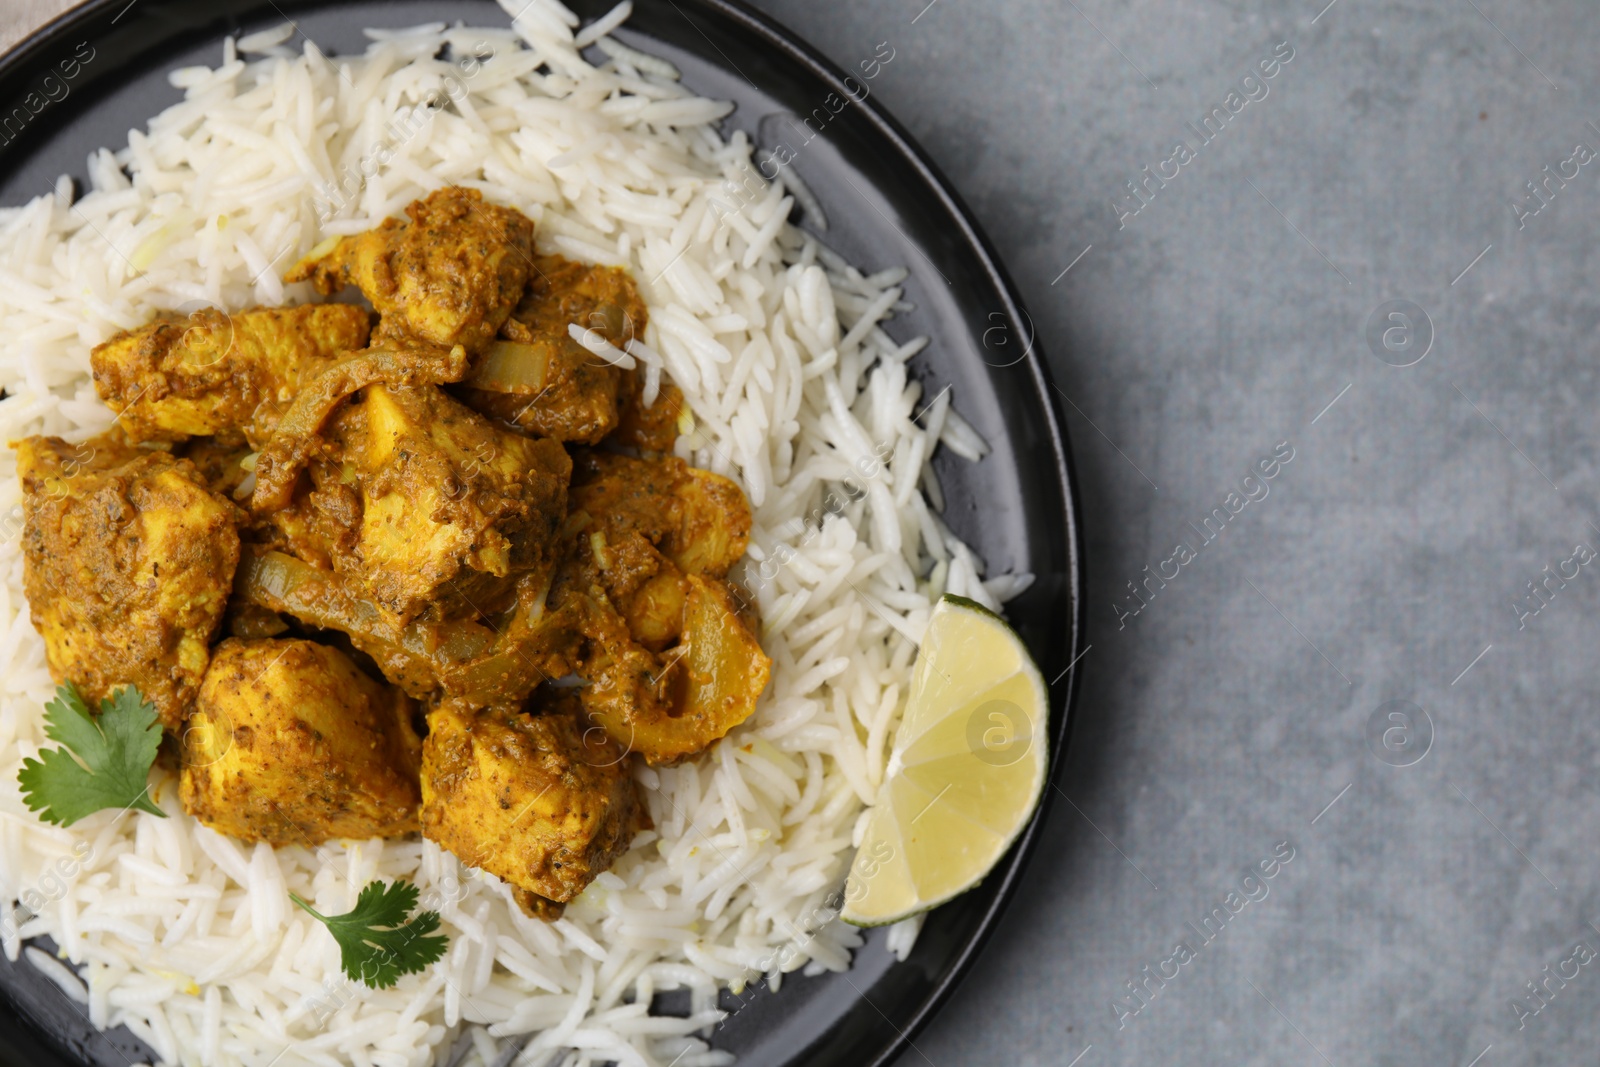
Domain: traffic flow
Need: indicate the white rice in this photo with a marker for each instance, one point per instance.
(186, 936)
(596, 343)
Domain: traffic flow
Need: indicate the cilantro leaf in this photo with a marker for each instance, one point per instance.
(114, 752)
(378, 957)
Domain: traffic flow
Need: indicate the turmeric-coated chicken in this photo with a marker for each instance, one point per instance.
(215, 373)
(536, 376)
(299, 433)
(427, 505)
(671, 662)
(448, 275)
(649, 429)
(219, 463)
(128, 559)
(545, 801)
(291, 743)
(674, 704)
(698, 520)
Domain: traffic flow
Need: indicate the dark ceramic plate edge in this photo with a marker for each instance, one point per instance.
(30, 59)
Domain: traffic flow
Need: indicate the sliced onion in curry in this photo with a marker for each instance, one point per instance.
(285, 584)
(511, 367)
(279, 463)
(465, 657)
(514, 666)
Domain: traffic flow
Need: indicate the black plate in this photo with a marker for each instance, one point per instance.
(886, 206)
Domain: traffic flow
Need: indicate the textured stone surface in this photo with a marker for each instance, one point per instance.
(1218, 322)
(1390, 551)
(18, 18)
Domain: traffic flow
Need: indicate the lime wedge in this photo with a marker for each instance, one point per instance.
(966, 771)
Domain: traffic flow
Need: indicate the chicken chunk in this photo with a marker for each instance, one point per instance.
(536, 376)
(128, 560)
(698, 520)
(423, 504)
(299, 432)
(544, 801)
(291, 743)
(670, 706)
(672, 664)
(447, 509)
(220, 464)
(449, 275)
(217, 373)
(649, 429)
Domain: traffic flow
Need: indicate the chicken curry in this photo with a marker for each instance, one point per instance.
(425, 567)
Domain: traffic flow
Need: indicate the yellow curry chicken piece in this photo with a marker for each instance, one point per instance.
(651, 430)
(536, 377)
(675, 704)
(217, 373)
(219, 463)
(429, 506)
(291, 743)
(448, 275)
(545, 801)
(671, 662)
(696, 518)
(128, 560)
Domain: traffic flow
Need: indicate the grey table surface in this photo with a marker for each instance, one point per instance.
(1236, 710)
(1385, 667)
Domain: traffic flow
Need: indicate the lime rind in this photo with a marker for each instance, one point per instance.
(956, 600)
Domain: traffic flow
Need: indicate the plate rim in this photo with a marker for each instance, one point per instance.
(27, 52)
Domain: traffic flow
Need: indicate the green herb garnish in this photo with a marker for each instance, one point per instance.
(378, 957)
(114, 752)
